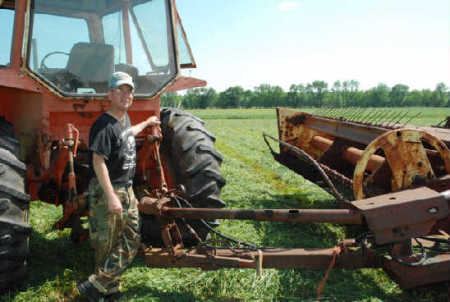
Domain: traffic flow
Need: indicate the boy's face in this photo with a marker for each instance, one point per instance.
(121, 97)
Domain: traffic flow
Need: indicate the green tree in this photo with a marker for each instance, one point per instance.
(199, 98)
(351, 93)
(378, 96)
(318, 89)
(413, 98)
(336, 98)
(296, 96)
(266, 95)
(439, 96)
(233, 97)
(427, 97)
(170, 99)
(247, 98)
(398, 94)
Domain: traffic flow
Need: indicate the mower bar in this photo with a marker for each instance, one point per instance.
(291, 215)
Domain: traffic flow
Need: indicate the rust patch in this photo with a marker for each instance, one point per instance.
(297, 119)
(77, 107)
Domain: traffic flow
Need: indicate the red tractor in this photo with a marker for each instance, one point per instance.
(55, 61)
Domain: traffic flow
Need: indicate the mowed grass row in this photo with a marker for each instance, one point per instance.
(254, 180)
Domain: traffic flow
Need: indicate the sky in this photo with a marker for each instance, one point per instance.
(282, 42)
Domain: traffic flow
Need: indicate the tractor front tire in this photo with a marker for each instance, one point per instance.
(14, 208)
(189, 154)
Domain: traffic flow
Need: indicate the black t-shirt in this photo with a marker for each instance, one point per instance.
(108, 137)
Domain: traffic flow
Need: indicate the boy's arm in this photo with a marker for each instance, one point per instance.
(151, 121)
(101, 171)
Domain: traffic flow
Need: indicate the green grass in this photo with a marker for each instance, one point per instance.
(254, 180)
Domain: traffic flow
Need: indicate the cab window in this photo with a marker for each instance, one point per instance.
(75, 46)
(51, 28)
(6, 34)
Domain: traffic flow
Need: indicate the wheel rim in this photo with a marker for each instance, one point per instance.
(405, 155)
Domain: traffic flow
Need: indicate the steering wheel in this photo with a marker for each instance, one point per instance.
(44, 67)
(62, 78)
(406, 157)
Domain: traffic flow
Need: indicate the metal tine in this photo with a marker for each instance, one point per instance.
(363, 115)
(314, 112)
(398, 121)
(396, 115)
(329, 112)
(440, 123)
(346, 111)
(382, 118)
(321, 111)
(349, 112)
(372, 115)
(353, 113)
(318, 111)
(367, 116)
(388, 118)
(411, 118)
(335, 113)
(359, 114)
(377, 116)
(342, 112)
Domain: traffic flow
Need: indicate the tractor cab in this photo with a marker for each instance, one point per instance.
(73, 46)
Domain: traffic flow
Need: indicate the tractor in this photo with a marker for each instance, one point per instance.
(56, 59)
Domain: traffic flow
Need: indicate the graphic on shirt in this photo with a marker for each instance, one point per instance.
(129, 149)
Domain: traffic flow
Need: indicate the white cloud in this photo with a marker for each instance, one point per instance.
(288, 5)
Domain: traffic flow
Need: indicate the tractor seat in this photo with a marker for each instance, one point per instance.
(93, 63)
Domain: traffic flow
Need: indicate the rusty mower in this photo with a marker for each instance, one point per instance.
(369, 158)
(401, 184)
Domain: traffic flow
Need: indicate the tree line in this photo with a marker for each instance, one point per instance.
(315, 94)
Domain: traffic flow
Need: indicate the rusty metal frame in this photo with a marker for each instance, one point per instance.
(347, 151)
(419, 209)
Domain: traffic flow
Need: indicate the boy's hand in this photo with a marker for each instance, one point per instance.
(153, 121)
(114, 205)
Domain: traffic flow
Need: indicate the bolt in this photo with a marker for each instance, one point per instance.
(433, 210)
(4, 204)
(6, 239)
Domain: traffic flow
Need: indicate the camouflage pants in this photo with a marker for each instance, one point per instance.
(115, 237)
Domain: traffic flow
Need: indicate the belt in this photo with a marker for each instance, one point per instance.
(125, 185)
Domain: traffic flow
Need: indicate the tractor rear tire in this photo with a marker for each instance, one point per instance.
(14, 208)
(189, 154)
